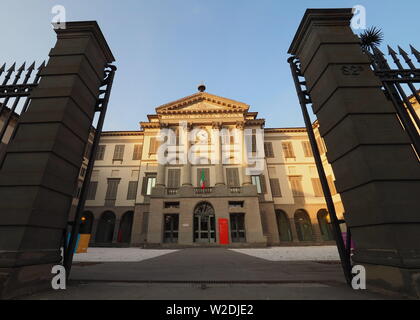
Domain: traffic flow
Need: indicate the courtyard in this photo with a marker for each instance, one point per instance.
(206, 274)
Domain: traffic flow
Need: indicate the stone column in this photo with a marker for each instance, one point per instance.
(377, 172)
(42, 163)
(217, 147)
(161, 171)
(186, 172)
(246, 179)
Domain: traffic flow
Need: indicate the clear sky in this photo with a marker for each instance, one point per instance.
(165, 48)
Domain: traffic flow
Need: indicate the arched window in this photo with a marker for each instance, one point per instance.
(87, 223)
(283, 225)
(325, 225)
(106, 225)
(126, 224)
(303, 226)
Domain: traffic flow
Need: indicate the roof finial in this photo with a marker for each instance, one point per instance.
(202, 87)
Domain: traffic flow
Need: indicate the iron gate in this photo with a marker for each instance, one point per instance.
(14, 101)
(393, 81)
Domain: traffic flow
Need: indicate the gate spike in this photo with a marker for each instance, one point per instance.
(394, 56)
(29, 72)
(9, 74)
(42, 65)
(2, 69)
(415, 52)
(19, 73)
(406, 57)
(38, 74)
(380, 58)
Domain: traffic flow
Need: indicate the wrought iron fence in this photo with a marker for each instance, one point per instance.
(305, 100)
(15, 97)
(399, 86)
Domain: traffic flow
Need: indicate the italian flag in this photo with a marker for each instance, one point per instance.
(203, 180)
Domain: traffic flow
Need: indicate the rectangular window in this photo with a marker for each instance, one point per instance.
(275, 187)
(236, 204)
(101, 152)
(259, 182)
(171, 205)
(237, 227)
(137, 152)
(331, 184)
(149, 182)
(307, 149)
(132, 190)
(88, 150)
(296, 184)
(316, 183)
(153, 147)
(232, 177)
(268, 148)
(174, 177)
(288, 150)
(83, 172)
(171, 228)
(119, 152)
(111, 192)
(93, 187)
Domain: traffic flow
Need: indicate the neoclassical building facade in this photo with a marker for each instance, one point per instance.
(136, 199)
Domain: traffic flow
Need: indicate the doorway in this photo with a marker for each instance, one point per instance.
(237, 227)
(204, 223)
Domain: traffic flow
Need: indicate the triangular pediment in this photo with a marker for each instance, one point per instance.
(203, 102)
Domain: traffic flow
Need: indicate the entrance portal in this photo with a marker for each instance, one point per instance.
(204, 223)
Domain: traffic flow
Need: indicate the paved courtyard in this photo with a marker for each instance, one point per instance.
(211, 273)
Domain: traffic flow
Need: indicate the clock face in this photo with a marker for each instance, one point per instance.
(203, 136)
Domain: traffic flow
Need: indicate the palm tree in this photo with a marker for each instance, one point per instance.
(370, 38)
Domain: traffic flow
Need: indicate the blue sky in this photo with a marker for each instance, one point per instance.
(165, 48)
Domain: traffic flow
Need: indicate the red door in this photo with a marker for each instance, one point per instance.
(224, 231)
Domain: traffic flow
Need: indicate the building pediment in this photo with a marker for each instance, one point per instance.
(202, 102)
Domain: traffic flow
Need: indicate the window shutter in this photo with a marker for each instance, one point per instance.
(93, 186)
(316, 183)
(254, 142)
(137, 152)
(288, 150)
(174, 176)
(232, 177)
(119, 152)
(144, 186)
(132, 190)
(111, 193)
(207, 176)
(153, 146)
(263, 184)
(296, 183)
(275, 187)
(268, 148)
(307, 149)
(100, 153)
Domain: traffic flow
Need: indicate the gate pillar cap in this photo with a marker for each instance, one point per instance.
(73, 28)
(319, 17)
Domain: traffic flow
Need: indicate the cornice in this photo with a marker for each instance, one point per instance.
(122, 133)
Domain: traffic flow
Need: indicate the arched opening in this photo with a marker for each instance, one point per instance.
(325, 225)
(283, 225)
(204, 223)
(106, 225)
(303, 226)
(87, 223)
(126, 225)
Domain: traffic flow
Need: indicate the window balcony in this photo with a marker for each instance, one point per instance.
(172, 191)
(203, 190)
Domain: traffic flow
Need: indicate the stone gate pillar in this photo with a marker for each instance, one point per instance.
(377, 172)
(42, 163)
